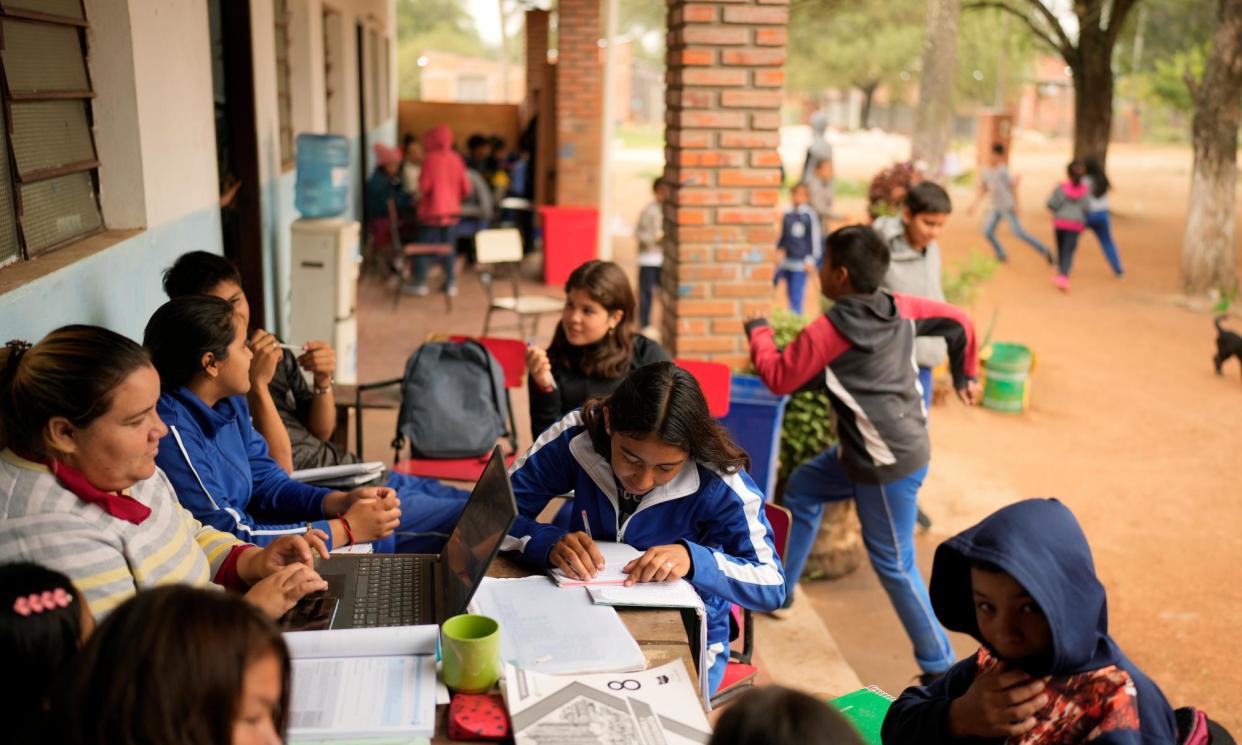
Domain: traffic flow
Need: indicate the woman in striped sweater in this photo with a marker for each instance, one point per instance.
(80, 493)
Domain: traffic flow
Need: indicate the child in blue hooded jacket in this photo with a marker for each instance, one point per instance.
(1023, 583)
(650, 467)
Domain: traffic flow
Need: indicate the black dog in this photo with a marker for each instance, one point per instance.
(1228, 344)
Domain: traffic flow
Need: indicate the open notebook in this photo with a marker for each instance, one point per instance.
(616, 556)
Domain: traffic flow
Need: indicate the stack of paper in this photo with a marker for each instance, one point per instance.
(553, 630)
(346, 475)
(363, 683)
(653, 706)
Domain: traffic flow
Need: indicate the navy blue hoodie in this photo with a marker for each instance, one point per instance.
(1040, 544)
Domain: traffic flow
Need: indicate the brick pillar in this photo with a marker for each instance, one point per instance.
(724, 76)
(579, 102)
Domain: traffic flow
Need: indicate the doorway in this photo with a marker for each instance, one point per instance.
(237, 147)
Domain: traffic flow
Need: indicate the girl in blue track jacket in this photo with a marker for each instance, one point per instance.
(650, 467)
(216, 460)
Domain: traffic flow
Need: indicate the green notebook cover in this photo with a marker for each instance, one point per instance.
(865, 708)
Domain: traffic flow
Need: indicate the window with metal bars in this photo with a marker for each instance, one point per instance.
(284, 99)
(48, 163)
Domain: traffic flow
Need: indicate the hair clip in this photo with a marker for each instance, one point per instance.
(17, 349)
(37, 602)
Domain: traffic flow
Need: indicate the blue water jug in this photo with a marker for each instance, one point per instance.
(322, 188)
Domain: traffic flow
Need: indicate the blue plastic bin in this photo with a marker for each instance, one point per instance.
(754, 420)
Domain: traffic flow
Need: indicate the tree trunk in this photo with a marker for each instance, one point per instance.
(1209, 258)
(933, 126)
(1093, 94)
(868, 91)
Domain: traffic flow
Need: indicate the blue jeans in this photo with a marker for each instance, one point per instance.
(648, 281)
(994, 218)
(1067, 246)
(429, 512)
(925, 380)
(795, 286)
(1101, 225)
(437, 234)
(887, 513)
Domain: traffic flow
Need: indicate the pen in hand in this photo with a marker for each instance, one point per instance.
(586, 525)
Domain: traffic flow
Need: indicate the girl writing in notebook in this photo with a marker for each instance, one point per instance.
(650, 467)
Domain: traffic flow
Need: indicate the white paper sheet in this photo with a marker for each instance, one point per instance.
(344, 470)
(676, 594)
(367, 642)
(556, 630)
(343, 697)
(616, 556)
(652, 707)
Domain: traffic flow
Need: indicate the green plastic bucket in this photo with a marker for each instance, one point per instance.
(1007, 377)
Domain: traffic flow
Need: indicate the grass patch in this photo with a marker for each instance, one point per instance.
(641, 135)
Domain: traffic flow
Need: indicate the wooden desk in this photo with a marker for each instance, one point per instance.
(659, 632)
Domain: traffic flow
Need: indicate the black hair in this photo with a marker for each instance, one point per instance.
(862, 253)
(182, 330)
(1099, 182)
(663, 398)
(38, 646)
(774, 715)
(168, 666)
(1075, 171)
(928, 197)
(658, 182)
(198, 273)
(407, 139)
(496, 141)
(998, 148)
(72, 372)
(475, 140)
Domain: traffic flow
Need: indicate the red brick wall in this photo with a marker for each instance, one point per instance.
(724, 78)
(579, 103)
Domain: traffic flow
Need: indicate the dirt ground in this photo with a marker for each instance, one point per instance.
(1128, 424)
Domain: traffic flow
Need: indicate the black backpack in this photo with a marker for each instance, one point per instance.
(453, 402)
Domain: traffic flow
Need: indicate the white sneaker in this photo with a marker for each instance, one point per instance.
(416, 290)
(451, 291)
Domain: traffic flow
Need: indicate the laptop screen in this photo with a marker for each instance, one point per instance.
(486, 519)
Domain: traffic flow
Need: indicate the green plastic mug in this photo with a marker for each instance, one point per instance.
(470, 647)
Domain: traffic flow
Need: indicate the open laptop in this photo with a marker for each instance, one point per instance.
(368, 590)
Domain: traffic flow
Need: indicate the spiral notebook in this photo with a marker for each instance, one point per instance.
(866, 709)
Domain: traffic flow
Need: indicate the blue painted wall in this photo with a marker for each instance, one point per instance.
(118, 288)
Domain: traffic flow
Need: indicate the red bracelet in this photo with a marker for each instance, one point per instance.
(349, 533)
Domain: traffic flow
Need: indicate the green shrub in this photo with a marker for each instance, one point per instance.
(961, 283)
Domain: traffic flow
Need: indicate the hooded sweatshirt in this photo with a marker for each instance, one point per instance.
(913, 272)
(1069, 206)
(863, 349)
(443, 182)
(1096, 693)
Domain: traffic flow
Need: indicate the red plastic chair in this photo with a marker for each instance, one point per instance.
(715, 378)
(511, 354)
(740, 673)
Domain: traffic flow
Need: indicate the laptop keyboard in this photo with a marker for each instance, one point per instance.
(389, 591)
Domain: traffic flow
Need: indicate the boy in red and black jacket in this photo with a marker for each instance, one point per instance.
(862, 349)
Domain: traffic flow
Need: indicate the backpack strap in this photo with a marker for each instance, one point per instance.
(496, 376)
